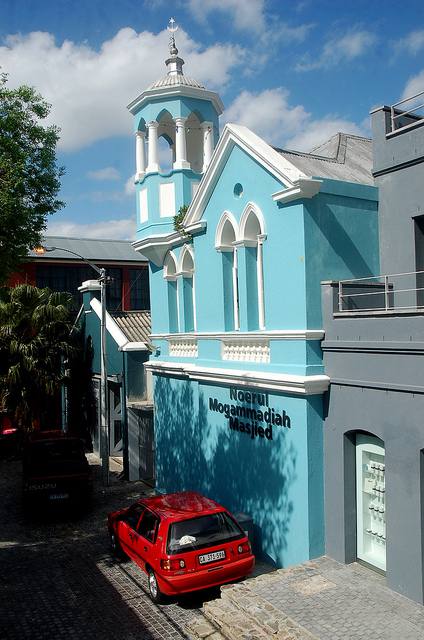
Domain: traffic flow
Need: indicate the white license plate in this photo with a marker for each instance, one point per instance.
(212, 557)
(58, 496)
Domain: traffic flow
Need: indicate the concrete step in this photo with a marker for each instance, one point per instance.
(203, 630)
(263, 613)
(243, 614)
(233, 623)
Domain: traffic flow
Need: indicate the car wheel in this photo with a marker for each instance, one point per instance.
(115, 547)
(154, 591)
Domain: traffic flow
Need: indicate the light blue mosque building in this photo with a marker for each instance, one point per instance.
(238, 378)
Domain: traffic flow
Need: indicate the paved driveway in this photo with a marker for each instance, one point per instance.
(58, 579)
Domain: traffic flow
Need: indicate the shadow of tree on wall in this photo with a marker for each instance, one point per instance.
(252, 476)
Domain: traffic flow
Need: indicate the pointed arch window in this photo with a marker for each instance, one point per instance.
(225, 242)
(187, 322)
(170, 275)
(252, 236)
(180, 291)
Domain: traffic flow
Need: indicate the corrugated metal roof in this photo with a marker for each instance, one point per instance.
(342, 157)
(135, 325)
(90, 249)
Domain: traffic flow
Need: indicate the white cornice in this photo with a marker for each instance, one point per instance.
(302, 188)
(278, 334)
(156, 247)
(196, 227)
(232, 135)
(134, 346)
(277, 382)
(170, 91)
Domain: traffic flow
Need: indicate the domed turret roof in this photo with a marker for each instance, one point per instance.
(175, 75)
(175, 82)
(177, 79)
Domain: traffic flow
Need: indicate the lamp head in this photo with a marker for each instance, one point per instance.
(41, 250)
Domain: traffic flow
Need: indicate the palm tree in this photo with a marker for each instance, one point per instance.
(35, 337)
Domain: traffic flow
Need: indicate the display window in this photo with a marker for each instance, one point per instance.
(371, 501)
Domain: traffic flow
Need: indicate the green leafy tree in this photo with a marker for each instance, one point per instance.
(35, 337)
(29, 175)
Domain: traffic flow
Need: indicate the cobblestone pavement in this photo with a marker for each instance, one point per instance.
(58, 579)
(339, 602)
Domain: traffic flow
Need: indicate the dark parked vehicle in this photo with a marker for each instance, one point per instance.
(55, 469)
(10, 437)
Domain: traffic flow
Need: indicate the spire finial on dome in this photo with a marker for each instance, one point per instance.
(172, 28)
(174, 63)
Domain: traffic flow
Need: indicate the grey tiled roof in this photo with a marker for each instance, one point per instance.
(343, 157)
(90, 249)
(135, 325)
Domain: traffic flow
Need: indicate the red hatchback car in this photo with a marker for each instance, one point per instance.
(183, 541)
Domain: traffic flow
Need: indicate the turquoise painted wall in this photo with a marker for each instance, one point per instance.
(341, 239)
(278, 482)
(156, 224)
(334, 235)
(114, 356)
(177, 106)
(284, 303)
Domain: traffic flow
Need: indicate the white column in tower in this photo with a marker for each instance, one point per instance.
(153, 165)
(140, 155)
(180, 145)
(207, 144)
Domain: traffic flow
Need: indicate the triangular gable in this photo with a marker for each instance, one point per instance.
(116, 332)
(295, 184)
(236, 135)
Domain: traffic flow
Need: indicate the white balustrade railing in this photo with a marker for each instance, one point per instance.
(183, 348)
(246, 350)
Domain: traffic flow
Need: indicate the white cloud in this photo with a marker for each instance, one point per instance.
(123, 229)
(89, 89)
(284, 125)
(413, 86)
(351, 45)
(267, 113)
(107, 173)
(412, 43)
(130, 186)
(245, 15)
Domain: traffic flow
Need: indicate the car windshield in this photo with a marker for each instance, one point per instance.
(204, 531)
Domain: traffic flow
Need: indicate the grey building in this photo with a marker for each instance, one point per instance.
(374, 355)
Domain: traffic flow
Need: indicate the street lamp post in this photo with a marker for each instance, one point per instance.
(103, 280)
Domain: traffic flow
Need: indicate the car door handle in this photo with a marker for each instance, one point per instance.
(145, 549)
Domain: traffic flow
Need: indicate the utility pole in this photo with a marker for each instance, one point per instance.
(104, 426)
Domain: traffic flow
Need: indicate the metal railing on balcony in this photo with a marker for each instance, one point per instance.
(396, 292)
(405, 116)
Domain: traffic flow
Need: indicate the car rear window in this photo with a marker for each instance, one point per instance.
(49, 451)
(204, 531)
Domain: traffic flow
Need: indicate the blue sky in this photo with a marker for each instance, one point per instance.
(294, 72)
